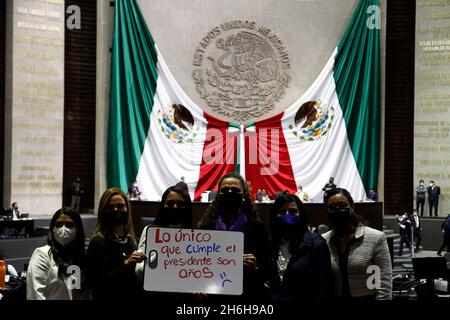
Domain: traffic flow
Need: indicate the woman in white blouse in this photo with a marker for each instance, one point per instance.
(54, 270)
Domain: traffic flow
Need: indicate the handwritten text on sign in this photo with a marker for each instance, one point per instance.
(189, 260)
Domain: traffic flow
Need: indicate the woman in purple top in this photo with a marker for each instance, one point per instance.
(233, 210)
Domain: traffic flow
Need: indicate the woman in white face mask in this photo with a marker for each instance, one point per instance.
(54, 271)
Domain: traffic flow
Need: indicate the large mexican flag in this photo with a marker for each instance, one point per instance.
(333, 130)
(157, 134)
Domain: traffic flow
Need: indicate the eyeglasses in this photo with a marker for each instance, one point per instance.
(67, 224)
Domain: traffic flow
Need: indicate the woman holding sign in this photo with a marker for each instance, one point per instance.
(111, 255)
(233, 210)
(300, 260)
(175, 212)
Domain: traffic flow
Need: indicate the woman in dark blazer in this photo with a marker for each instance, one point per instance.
(300, 261)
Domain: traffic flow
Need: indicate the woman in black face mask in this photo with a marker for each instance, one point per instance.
(112, 255)
(175, 211)
(300, 261)
(233, 210)
(359, 254)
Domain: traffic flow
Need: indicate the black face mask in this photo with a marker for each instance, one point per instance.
(339, 218)
(173, 216)
(230, 201)
(115, 218)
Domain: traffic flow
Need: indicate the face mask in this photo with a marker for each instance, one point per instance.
(289, 219)
(339, 217)
(64, 235)
(230, 201)
(115, 218)
(431, 184)
(174, 215)
(288, 224)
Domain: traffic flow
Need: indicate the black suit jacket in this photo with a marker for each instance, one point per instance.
(434, 193)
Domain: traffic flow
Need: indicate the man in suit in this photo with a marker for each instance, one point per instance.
(183, 184)
(446, 232)
(405, 233)
(420, 197)
(77, 191)
(416, 225)
(433, 197)
(372, 195)
(329, 186)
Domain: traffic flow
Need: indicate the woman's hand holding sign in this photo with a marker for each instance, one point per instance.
(134, 258)
(250, 262)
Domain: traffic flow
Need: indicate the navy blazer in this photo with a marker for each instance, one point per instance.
(308, 275)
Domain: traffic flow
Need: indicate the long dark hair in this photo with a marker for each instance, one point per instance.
(302, 226)
(161, 219)
(72, 253)
(355, 219)
(212, 212)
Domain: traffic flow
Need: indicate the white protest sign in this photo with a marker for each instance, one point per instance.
(190, 260)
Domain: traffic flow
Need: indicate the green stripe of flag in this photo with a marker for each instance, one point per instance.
(357, 76)
(133, 86)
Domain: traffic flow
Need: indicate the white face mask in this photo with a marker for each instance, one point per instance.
(64, 235)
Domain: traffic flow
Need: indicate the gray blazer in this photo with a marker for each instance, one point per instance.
(369, 248)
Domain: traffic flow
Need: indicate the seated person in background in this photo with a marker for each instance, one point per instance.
(354, 248)
(212, 195)
(15, 210)
(300, 261)
(259, 195)
(233, 210)
(47, 276)
(175, 211)
(372, 195)
(302, 195)
(133, 191)
(112, 254)
(279, 194)
(266, 196)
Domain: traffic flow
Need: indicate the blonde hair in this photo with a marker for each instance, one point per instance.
(100, 228)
